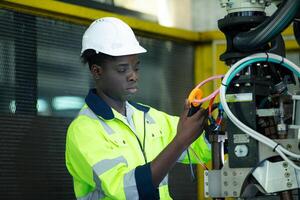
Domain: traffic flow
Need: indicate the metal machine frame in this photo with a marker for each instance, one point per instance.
(264, 97)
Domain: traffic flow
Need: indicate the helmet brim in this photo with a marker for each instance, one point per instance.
(121, 51)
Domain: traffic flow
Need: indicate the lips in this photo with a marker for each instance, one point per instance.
(132, 89)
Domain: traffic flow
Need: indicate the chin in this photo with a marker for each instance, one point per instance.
(129, 97)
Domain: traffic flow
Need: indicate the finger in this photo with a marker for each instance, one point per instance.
(186, 104)
(186, 107)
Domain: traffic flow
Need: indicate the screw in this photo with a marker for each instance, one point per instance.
(235, 183)
(223, 5)
(289, 184)
(225, 173)
(206, 193)
(285, 164)
(234, 173)
(287, 174)
(289, 146)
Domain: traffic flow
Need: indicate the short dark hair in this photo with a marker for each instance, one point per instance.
(91, 57)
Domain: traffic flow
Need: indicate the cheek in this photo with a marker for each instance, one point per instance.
(117, 84)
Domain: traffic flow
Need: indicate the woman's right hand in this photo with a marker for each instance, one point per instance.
(190, 128)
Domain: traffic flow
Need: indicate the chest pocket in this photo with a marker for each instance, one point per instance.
(118, 140)
(155, 142)
(115, 138)
(154, 132)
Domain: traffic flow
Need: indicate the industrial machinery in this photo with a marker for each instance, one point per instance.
(260, 96)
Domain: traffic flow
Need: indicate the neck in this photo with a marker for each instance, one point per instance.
(118, 105)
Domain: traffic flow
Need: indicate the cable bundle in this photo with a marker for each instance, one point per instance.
(235, 69)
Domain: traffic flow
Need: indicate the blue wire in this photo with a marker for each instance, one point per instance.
(191, 166)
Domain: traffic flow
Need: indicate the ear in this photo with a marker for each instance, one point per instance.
(97, 71)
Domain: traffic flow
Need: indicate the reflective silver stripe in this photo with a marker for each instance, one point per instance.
(130, 188)
(95, 195)
(129, 114)
(149, 119)
(182, 156)
(88, 112)
(104, 165)
(164, 181)
(108, 130)
(98, 185)
(98, 169)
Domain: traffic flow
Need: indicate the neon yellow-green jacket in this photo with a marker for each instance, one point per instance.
(109, 155)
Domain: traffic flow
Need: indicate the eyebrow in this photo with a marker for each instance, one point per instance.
(122, 65)
(127, 64)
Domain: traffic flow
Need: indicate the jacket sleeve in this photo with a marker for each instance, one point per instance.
(99, 170)
(200, 146)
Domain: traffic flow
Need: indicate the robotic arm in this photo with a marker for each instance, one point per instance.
(270, 27)
(262, 93)
(248, 30)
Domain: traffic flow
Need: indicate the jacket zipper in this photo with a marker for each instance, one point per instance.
(142, 147)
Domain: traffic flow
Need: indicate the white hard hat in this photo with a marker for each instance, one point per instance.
(111, 36)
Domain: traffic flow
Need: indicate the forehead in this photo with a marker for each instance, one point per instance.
(125, 59)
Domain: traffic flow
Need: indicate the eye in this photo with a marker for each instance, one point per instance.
(121, 69)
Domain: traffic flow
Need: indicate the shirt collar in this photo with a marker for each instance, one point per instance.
(100, 107)
(129, 110)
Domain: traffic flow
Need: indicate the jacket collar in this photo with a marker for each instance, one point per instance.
(100, 107)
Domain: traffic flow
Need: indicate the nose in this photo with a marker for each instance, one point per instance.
(133, 76)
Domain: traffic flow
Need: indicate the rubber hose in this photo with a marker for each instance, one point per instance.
(297, 27)
(270, 28)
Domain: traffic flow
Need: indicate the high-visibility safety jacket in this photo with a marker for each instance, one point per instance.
(109, 154)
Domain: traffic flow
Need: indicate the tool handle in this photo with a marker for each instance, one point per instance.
(193, 109)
